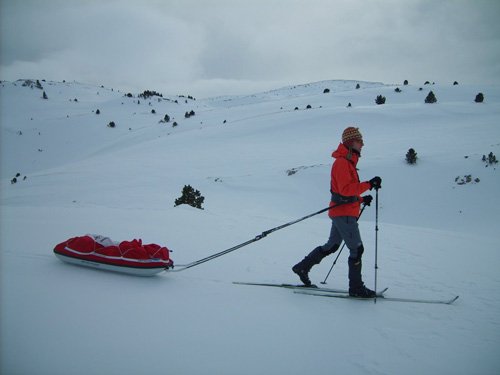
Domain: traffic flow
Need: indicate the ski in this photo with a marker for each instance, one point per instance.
(382, 297)
(313, 288)
(294, 286)
(317, 292)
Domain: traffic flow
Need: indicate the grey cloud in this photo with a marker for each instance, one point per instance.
(184, 45)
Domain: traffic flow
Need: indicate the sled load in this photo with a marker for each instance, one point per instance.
(132, 257)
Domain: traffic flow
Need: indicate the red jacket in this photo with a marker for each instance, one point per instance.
(345, 181)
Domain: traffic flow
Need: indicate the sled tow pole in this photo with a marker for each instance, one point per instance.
(183, 267)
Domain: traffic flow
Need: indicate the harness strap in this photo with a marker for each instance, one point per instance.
(342, 199)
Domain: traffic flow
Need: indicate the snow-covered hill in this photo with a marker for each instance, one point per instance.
(437, 238)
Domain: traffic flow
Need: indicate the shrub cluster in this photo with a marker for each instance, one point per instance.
(15, 179)
(490, 159)
(148, 93)
(466, 179)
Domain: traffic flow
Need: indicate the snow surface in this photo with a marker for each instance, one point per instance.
(436, 238)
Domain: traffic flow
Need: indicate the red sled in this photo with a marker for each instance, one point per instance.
(131, 257)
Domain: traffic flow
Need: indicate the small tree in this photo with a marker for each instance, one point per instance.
(380, 100)
(98, 112)
(44, 95)
(405, 82)
(326, 91)
(191, 197)
(431, 98)
(479, 98)
(411, 156)
(357, 86)
(111, 124)
(397, 89)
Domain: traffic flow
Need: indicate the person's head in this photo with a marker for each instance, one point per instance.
(352, 138)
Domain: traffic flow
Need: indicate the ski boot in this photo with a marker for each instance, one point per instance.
(356, 287)
(304, 266)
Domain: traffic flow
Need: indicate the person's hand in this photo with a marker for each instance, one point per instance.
(367, 200)
(375, 182)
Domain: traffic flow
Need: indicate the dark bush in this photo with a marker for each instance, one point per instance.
(431, 98)
(479, 98)
(191, 197)
(411, 156)
(189, 114)
(380, 99)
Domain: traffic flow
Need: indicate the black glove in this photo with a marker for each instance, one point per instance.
(367, 199)
(375, 182)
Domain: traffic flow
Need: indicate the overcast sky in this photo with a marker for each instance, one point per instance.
(215, 47)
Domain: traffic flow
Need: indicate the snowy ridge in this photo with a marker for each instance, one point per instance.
(288, 92)
(437, 238)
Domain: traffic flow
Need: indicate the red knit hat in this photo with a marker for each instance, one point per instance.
(350, 135)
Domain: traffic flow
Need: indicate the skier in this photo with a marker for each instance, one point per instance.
(346, 190)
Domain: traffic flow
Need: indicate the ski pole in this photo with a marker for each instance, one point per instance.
(376, 241)
(342, 248)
